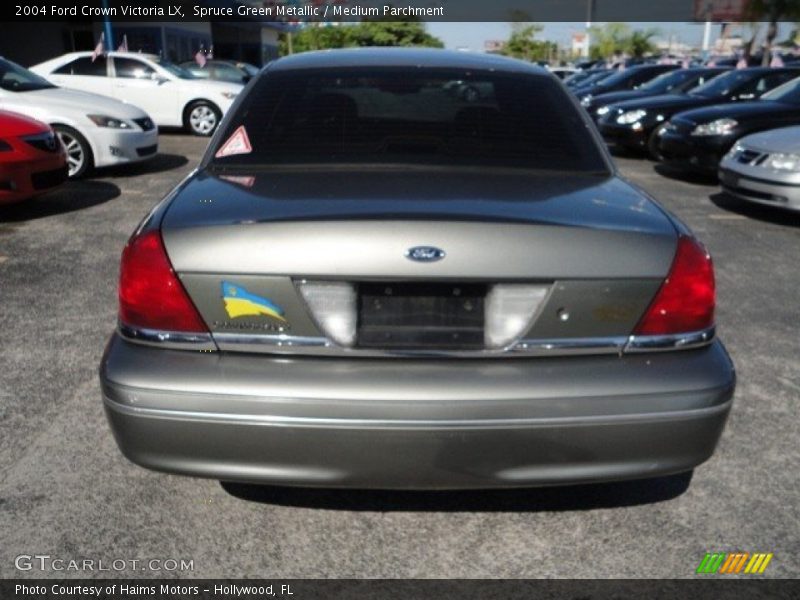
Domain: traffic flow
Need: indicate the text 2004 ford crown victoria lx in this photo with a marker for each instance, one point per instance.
(413, 269)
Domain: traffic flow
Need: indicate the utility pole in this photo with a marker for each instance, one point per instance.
(706, 38)
(107, 29)
(589, 19)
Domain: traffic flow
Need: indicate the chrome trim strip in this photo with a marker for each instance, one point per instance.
(320, 346)
(178, 340)
(682, 341)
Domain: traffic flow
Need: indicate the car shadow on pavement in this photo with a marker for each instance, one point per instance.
(686, 176)
(562, 498)
(72, 196)
(159, 163)
(777, 215)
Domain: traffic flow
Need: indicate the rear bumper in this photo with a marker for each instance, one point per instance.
(416, 424)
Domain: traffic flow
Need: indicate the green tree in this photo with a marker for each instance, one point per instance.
(366, 33)
(522, 43)
(771, 11)
(641, 42)
(610, 39)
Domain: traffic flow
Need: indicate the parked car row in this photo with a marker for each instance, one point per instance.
(703, 128)
(100, 111)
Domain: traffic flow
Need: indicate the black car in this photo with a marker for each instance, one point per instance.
(637, 123)
(582, 78)
(698, 139)
(222, 70)
(627, 79)
(672, 82)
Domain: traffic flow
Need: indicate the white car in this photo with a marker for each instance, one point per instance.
(96, 131)
(169, 93)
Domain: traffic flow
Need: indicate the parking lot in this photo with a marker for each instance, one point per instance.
(65, 490)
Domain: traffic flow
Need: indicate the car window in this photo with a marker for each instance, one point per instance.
(14, 78)
(130, 68)
(402, 116)
(666, 81)
(788, 93)
(227, 72)
(198, 72)
(724, 84)
(85, 66)
(642, 76)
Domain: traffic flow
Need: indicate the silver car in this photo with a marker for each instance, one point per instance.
(372, 282)
(764, 168)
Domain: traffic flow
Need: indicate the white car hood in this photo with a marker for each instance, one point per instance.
(57, 99)
(785, 140)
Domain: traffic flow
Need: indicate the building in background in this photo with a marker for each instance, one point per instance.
(580, 44)
(254, 41)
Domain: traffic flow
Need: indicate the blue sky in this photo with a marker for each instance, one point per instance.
(472, 35)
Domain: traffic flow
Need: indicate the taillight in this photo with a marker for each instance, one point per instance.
(150, 294)
(685, 301)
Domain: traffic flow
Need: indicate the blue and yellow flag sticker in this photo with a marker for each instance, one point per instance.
(241, 303)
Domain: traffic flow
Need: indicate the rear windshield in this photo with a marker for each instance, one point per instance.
(402, 116)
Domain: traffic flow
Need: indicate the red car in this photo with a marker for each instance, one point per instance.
(32, 160)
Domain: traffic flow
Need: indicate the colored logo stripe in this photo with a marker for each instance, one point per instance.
(734, 563)
(711, 563)
(758, 563)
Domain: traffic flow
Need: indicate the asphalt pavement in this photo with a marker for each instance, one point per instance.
(66, 491)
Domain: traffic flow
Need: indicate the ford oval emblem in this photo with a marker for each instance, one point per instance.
(425, 254)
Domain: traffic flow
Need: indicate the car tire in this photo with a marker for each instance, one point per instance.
(652, 144)
(201, 118)
(80, 160)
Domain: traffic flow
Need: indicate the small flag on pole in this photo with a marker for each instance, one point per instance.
(200, 58)
(100, 48)
(123, 47)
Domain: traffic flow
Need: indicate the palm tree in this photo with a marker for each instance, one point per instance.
(640, 42)
(772, 11)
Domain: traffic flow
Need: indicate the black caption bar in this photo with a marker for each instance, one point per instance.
(298, 11)
(716, 588)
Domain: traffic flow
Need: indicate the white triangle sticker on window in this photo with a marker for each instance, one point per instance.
(238, 143)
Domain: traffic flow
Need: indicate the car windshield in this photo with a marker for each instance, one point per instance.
(596, 78)
(722, 85)
(788, 93)
(618, 77)
(14, 78)
(411, 116)
(666, 81)
(174, 69)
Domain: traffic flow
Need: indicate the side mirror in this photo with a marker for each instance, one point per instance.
(246, 79)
